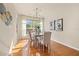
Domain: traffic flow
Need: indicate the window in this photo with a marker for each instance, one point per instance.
(30, 25)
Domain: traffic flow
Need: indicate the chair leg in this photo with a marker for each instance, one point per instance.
(43, 48)
(39, 46)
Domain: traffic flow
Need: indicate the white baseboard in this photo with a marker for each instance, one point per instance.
(67, 45)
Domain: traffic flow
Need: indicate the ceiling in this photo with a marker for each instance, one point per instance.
(44, 9)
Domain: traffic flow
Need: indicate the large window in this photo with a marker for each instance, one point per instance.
(30, 24)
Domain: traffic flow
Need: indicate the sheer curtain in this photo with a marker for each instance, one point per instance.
(23, 28)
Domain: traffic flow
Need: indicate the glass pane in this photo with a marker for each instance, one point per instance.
(29, 24)
(32, 25)
(38, 26)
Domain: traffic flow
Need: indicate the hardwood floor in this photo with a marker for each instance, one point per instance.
(17, 51)
(56, 50)
(61, 50)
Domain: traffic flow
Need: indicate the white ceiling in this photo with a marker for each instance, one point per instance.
(44, 9)
(29, 9)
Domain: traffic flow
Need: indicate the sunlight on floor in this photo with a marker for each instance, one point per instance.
(21, 50)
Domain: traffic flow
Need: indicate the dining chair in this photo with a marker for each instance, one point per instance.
(45, 41)
(32, 39)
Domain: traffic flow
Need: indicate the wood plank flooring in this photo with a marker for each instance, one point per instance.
(61, 50)
(57, 49)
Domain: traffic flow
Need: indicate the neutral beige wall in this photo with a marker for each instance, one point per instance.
(8, 33)
(70, 35)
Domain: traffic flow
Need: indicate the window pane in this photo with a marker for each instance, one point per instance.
(29, 24)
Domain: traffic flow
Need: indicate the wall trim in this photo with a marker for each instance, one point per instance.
(66, 45)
